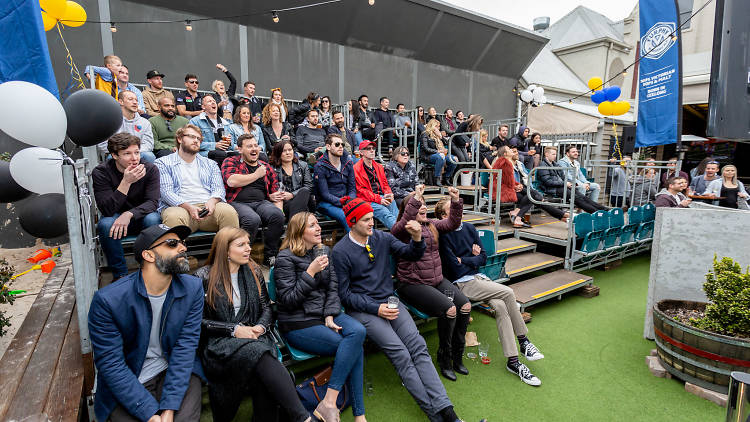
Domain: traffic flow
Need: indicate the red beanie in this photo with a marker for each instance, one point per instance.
(354, 209)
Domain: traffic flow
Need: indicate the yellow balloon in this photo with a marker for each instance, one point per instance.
(54, 8)
(606, 108)
(623, 107)
(595, 83)
(48, 21)
(74, 15)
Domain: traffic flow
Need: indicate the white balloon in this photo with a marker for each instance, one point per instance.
(38, 170)
(526, 96)
(538, 94)
(531, 87)
(32, 115)
(544, 99)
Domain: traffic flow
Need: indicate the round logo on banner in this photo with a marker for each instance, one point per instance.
(658, 40)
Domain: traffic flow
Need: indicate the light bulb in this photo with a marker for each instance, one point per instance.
(112, 27)
(674, 37)
(371, 2)
(275, 17)
(188, 26)
(624, 73)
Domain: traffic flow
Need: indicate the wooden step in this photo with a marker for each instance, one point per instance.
(476, 218)
(513, 246)
(548, 286)
(528, 262)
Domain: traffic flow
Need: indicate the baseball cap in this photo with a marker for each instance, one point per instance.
(152, 73)
(148, 236)
(364, 144)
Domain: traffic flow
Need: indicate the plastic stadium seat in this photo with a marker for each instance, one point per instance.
(616, 217)
(494, 268)
(645, 232)
(649, 212)
(627, 234)
(592, 242)
(611, 237)
(488, 241)
(601, 220)
(583, 224)
(635, 215)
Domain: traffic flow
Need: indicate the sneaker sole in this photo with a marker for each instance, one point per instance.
(532, 359)
(531, 383)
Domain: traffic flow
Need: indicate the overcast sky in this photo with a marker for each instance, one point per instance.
(522, 12)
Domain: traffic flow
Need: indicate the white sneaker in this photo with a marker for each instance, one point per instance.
(523, 372)
(531, 353)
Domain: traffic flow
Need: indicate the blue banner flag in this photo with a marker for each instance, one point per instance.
(24, 55)
(660, 75)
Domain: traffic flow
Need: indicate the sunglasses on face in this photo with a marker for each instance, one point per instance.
(193, 82)
(325, 101)
(169, 125)
(403, 154)
(337, 144)
(171, 243)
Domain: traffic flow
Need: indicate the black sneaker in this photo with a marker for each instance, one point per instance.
(523, 372)
(530, 352)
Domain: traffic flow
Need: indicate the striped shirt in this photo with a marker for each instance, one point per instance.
(169, 179)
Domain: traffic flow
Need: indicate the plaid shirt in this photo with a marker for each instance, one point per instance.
(169, 179)
(235, 165)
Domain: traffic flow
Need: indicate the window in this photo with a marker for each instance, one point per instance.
(685, 10)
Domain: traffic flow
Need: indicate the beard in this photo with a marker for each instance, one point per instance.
(177, 264)
(168, 114)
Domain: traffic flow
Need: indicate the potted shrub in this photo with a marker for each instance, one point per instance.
(703, 342)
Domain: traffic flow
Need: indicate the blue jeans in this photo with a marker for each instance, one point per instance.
(148, 156)
(358, 137)
(334, 212)
(386, 215)
(347, 347)
(438, 162)
(113, 247)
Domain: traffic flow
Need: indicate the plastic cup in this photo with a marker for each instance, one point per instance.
(484, 350)
(392, 302)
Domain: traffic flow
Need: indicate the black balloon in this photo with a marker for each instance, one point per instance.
(44, 216)
(93, 116)
(10, 191)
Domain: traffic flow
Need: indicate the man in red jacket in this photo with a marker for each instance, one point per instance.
(372, 185)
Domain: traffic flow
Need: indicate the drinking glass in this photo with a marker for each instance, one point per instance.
(472, 356)
(484, 350)
(392, 302)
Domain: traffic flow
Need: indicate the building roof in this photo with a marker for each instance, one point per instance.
(426, 30)
(549, 71)
(580, 26)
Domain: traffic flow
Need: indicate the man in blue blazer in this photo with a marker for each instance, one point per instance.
(145, 330)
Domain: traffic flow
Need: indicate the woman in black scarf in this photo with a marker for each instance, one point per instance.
(237, 351)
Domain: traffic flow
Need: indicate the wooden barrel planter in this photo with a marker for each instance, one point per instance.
(694, 355)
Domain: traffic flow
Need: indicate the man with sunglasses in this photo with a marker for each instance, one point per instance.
(361, 260)
(164, 126)
(372, 185)
(189, 102)
(145, 330)
(334, 179)
(127, 195)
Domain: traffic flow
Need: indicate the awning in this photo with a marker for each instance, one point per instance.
(558, 120)
(425, 30)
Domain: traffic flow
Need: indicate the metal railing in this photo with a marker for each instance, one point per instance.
(493, 208)
(634, 183)
(568, 201)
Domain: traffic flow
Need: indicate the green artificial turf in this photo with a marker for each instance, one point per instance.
(594, 367)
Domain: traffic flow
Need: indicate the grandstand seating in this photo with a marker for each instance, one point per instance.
(296, 354)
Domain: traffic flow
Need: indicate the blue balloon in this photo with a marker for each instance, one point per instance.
(599, 97)
(612, 93)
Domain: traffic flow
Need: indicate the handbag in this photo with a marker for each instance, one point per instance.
(312, 390)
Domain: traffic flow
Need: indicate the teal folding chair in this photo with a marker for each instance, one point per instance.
(297, 355)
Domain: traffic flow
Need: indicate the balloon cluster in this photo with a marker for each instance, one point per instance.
(88, 117)
(69, 12)
(533, 95)
(605, 98)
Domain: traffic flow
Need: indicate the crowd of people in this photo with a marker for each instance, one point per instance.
(237, 165)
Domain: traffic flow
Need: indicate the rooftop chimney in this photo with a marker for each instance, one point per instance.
(541, 23)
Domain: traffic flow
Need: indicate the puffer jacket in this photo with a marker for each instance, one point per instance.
(426, 270)
(401, 180)
(300, 297)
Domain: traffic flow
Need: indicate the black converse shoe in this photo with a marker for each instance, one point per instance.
(530, 352)
(523, 372)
